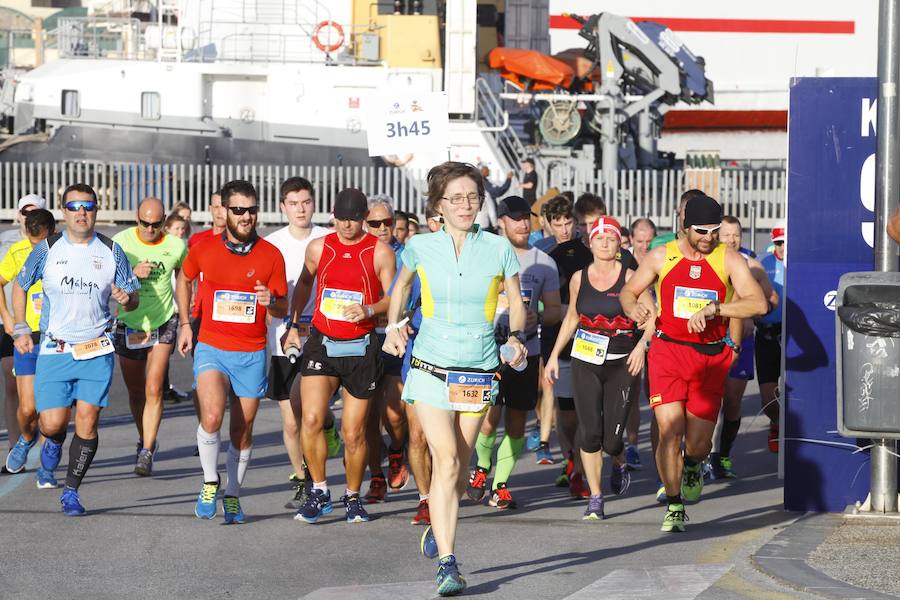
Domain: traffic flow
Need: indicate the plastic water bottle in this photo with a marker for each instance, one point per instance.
(507, 353)
(292, 353)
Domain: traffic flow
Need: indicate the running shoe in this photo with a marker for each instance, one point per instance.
(318, 503)
(619, 479)
(427, 543)
(46, 480)
(661, 495)
(333, 440)
(692, 482)
(773, 438)
(533, 439)
(477, 481)
(423, 516)
(231, 506)
(300, 494)
(377, 489)
(721, 467)
(174, 395)
(632, 458)
(71, 503)
(18, 455)
(502, 498)
(563, 480)
(206, 500)
(543, 456)
(355, 511)
(140, 446)
(144, 464)
(674, 519)
(594, 510)
(450, 582)
(398, 473)
(577, 487)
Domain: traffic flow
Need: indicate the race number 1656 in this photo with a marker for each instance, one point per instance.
(416, 128)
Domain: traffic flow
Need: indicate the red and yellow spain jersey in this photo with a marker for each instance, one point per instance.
(686, 286)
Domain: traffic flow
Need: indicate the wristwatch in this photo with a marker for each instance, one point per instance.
(519, 335)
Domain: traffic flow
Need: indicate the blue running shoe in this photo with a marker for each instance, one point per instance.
(232, 508)
(206, 500)
(543, 456)
(355, 511)
(632, 458)
(594, 510)
(428, 545)
(450, 582)
(46, 480)
(318, 503)
(533, 439)
(661, 496)
(15, 460)
(50, 453)
(71, 503)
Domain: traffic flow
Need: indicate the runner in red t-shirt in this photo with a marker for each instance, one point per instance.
(701, 283)
(244, 280)
(353, 272)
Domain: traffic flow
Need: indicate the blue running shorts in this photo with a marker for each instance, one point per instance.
(245, 370)
(60, 380)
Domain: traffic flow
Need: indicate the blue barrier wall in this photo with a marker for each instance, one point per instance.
(831, 195)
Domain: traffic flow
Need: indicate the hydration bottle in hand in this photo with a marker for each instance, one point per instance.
(507, 352)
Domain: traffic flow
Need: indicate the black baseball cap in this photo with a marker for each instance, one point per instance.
(514, 207)
(350, 205)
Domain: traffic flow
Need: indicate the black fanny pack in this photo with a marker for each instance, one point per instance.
(711, 349)
(441, 373)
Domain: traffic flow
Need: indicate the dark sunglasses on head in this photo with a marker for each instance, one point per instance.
(376, 224)
(149, 224)
(239, 210)
(76, 205)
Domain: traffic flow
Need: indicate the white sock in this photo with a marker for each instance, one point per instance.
(236, 465)
(350, 492)
(321, 485)
(423, 497)
(208, 445)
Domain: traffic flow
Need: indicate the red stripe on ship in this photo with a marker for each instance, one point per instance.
(679, 120)
(730, 25)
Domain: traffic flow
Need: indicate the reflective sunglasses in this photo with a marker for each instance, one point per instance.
(375, 224)
(149, 224)
(240, 210)
(76, 205)
(705, 230)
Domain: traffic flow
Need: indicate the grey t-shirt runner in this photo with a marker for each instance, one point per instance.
(537, 274)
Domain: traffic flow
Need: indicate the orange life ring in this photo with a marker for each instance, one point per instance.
(330, 47)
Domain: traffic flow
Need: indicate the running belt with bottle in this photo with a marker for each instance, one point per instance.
(345, 275)
(604, 338)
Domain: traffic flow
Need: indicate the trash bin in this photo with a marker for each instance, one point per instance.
(867, 331)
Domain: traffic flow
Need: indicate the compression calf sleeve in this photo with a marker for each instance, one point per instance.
(484, 448)
(208, 445)
(729, 434)
(236, 463)
(507, 454)
(81, 454)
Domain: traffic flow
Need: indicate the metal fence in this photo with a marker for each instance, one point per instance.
(758, 194)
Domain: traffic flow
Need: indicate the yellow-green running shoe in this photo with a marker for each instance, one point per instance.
(675, 518)
(692, 482)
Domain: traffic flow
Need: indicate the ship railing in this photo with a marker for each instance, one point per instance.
(751, 195)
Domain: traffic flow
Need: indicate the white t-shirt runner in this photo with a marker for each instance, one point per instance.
(294, 253)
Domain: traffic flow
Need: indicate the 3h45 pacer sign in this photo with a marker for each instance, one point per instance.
(407, 123)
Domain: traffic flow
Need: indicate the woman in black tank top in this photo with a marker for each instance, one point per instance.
(607, 356)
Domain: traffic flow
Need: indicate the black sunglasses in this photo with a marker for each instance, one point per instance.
(239, 210)
(375, 224)
(149, 224)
